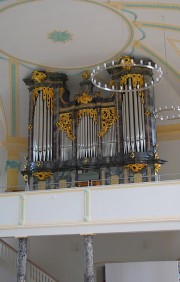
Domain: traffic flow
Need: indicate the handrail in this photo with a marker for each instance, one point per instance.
(34, 272)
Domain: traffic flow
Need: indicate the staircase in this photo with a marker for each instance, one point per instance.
(34, 273)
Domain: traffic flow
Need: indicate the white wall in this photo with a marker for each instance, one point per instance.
(169, 151)
(5, 273)
(142, 272)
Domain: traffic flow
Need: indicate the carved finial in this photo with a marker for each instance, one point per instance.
(85, 74)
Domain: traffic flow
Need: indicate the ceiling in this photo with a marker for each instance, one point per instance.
(74, 35)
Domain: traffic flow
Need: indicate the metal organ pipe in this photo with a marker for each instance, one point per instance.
(127, 120)
(133, 119)
(140, 122)
(124, 124)
(136, 119)
(131, 113)
(86, 137)
(42, 129)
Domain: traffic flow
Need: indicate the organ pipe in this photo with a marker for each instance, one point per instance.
(133, 119)
(42, 129)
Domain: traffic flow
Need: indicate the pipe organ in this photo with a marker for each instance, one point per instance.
(92, 136)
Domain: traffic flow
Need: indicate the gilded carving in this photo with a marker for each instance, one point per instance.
(25, 177)
(92, 113)
(43, 175)
(157, 167)
(85, 74)
(108, 118)
(127, 61)
(156, 155)
(137, 79)
(47, 94)
(61, 92)
(135, 167)
(132, 155)
(38, 76)
(65, 124)
(84, 98)
(147, 113)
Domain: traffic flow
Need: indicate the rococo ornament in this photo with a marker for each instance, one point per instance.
(86, 74)
(65, 124)
(84, 98)
(38, 76)
(137, 79)
(43, 175)
(157, 167)
(47, 94)
(92, 113)
(108, 118)
(135, 167)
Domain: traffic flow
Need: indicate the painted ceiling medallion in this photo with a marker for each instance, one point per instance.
(60, 36)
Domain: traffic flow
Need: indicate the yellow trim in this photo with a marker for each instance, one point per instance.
(173, 44)
(12, 177)
(145, 5)
(14, 145)
(100, 222)
(3, 117)
(168, 132)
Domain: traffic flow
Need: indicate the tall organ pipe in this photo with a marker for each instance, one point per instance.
(136, 119)
(131, 114)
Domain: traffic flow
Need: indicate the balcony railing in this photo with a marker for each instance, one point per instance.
(91, 183)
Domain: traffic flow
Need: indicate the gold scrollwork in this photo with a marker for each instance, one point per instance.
(156, 155)
(65, 124)
(25, 177)
(92, 113)
(127, 61)
(43, 175)
(61, 93)
(108, 118)
(48, 96)
(84, 98)
(38, 76)
(86, 74)
(132, 155)
(157, 167)
(38, 163)
(147, 113)
(137, 79)
(135, 167)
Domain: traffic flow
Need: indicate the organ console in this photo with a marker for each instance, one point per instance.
(91, 138)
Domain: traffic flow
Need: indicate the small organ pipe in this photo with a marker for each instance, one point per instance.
(131, 114)
(136, 120)
(143, 127)
(127, 120)
(124, 124)
(140, 123)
